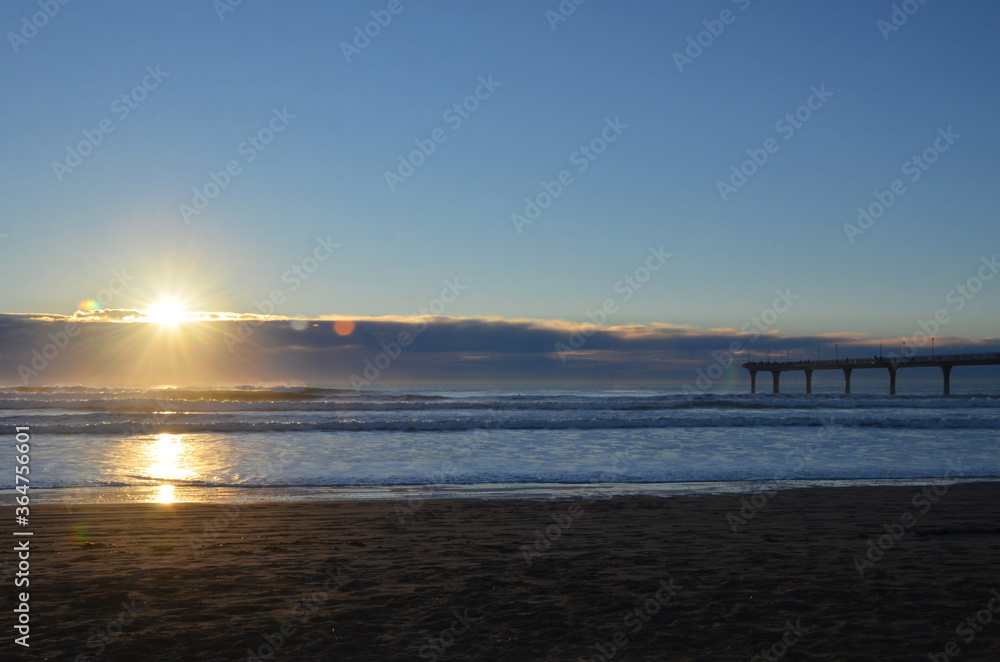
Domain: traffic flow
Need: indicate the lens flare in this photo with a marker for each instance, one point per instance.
(343, 327)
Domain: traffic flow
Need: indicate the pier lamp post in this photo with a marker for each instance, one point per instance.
(933, 355)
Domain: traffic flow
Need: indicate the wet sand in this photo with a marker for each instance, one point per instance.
(635, 578)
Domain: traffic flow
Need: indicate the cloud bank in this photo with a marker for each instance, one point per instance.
(109, 348)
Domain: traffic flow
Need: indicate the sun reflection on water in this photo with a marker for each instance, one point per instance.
(167, 459)
(165, 494)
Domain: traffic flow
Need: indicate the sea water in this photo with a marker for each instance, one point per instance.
(250, 443)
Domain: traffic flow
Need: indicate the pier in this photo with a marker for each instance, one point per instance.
(892, 365)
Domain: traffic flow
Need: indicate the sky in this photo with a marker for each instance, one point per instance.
(689, 167)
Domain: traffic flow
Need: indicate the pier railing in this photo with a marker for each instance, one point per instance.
(891, 363)
(954, 359)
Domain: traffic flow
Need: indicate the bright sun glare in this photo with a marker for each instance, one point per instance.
(165, 312)
(167, 460)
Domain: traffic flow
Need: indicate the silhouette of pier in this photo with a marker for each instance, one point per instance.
(892, 364)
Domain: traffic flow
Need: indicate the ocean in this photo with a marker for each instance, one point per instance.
(260, 444)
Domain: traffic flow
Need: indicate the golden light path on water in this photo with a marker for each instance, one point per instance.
(165, 494)
(167, 458)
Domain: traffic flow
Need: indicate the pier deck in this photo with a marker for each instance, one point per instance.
(892, 364)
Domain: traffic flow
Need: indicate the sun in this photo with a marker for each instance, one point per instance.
(165, 312)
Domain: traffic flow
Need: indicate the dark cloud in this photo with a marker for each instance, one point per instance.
(105, 349)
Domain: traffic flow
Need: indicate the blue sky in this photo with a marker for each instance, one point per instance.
(654, 186)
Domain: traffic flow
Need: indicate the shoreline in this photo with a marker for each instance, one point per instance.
(518, 579)
(180, 493)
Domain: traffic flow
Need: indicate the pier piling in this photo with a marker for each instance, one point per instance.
(892, 365)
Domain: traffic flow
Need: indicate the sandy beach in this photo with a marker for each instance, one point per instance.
(819, 574)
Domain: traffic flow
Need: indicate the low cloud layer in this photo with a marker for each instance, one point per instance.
(108, 348)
